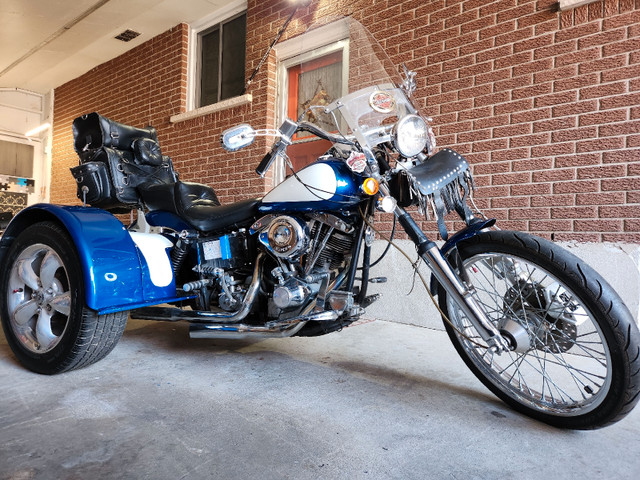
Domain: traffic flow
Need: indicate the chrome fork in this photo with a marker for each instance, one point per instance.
(462, 294)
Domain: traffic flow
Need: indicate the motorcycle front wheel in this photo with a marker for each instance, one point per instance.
(577, 358)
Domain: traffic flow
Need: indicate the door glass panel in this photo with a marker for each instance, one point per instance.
(316, 82)
(16, 176)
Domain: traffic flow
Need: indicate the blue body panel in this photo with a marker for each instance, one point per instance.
(116, 274)
(471, 231)
(347, 194)
(162, 218)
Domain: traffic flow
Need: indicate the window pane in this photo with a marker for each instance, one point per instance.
(234, 34)
(319, 86)
(209, 65)
(16, 159)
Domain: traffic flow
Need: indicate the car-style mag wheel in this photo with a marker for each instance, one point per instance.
(45, 318)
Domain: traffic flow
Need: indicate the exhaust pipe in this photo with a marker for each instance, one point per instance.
(286, 328)
(174, 314)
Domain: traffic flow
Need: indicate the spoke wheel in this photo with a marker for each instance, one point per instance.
(576, 353)
(45, 319)
(556, 373)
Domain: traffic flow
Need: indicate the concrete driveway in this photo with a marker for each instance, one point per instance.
(377, 401)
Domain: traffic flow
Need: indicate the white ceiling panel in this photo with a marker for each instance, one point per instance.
(38, 53)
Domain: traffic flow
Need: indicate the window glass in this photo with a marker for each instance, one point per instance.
(209, 77)
(234, 36)
(222, 60)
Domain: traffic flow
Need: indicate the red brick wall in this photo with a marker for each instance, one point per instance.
(144, 86)
(544, 104)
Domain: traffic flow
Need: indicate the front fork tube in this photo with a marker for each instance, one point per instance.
(464, 296)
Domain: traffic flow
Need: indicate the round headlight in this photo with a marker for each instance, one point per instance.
(410, 135)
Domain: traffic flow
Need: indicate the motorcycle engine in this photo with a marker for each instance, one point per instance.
(224, 268)
(310, 254)
(286, 237)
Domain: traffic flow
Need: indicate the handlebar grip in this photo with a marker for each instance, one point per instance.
(266, 162)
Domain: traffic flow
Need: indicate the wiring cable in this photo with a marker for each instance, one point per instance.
(415, 266)
(390, 242)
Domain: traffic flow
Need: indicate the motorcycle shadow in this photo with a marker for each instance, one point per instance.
(6, 356)
(367, 368)
(380, 353)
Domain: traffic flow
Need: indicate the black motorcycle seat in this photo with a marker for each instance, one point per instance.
(198, 205)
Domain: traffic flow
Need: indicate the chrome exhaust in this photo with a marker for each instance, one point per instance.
(285, 328)
(174, 314)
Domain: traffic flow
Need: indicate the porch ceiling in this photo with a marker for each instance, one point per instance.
(45, 43)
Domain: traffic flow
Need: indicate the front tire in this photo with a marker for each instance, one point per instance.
(44, 316)
(578, 359)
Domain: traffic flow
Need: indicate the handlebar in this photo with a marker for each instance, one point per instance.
(318, 132)
(288, 129)
(268, 159)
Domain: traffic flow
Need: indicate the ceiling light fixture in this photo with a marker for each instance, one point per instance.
(35, 131)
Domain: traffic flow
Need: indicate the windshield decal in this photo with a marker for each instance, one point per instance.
(382, 102)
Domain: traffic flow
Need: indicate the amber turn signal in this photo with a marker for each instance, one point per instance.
(370, 186)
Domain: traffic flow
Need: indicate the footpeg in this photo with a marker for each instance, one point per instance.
(369, 299)
(378, 280)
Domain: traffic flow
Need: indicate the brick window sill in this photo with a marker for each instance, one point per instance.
(245, 99)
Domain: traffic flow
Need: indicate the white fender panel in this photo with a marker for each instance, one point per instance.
(319, 183)
(154, 250)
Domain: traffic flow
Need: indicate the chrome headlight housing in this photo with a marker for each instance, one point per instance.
(410, 135)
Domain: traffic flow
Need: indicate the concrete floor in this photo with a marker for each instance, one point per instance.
(376, 401)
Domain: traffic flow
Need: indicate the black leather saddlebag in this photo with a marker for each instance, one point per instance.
(93, 131)
(110, 177)
(94, 185)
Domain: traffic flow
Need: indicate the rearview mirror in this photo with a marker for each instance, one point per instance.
(238, 137)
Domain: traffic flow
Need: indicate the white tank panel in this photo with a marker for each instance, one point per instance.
(319, 183)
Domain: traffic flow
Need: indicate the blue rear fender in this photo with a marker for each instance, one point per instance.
(121, 270)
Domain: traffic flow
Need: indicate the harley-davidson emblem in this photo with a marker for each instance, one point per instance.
(357, 162)
(382, 102)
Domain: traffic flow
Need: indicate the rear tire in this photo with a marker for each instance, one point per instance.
(45, 318)
(578, 365)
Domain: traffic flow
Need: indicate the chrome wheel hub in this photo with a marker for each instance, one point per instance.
(38, 298)
(516, 334)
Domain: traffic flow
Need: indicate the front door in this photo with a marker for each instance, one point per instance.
(310, 81)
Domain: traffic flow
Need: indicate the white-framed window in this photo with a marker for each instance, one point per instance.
(312, 68)
(217, 46)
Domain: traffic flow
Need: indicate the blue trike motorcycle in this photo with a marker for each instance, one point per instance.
(540, 328)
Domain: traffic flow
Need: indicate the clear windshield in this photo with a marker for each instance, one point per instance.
(352, 87)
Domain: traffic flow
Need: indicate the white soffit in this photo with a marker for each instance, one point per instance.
(47, 43)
